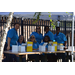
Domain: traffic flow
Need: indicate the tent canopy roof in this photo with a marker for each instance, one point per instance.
(44, 15)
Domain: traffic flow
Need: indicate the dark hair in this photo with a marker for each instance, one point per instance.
(23, 39)
(57, 28)
(16, 23)
(46, 27)
(39, 28)
(47, 37)
(30, 38)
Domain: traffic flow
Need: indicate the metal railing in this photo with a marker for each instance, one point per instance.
(26, 26)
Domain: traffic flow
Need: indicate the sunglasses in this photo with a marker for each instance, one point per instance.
(32, 37)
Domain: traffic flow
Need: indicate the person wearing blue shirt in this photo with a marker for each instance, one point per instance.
(35, 48)
(49, 33)
(43, 57)
(20, 42)
(12, 37)
(50, 57)
(38, 35)
(60, 38)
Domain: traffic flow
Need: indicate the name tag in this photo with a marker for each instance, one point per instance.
(29, 44)
(54, 44)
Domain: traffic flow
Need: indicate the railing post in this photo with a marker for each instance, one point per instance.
(21, 26)
(65, 27)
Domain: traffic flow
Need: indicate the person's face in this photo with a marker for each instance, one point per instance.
(32, 38)
(58, 30)
(21, 39)
(38, 29)
(47, 29)
(46, 39)
(17, 26)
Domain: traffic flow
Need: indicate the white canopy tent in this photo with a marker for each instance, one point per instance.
(44, 15)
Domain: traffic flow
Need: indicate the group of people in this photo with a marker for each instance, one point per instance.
(38, 39)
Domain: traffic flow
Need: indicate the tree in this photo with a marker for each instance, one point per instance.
(38, 14)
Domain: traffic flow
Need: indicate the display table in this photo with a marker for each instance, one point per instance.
(26, 53)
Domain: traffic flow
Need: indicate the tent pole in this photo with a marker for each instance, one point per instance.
(5, 30)
(72, 36)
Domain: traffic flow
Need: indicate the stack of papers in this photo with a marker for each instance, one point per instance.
(15, 48)
(22, 49)
(42, 48)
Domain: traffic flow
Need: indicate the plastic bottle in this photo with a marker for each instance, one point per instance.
(53, 40)
(50, 43)
(55, 45)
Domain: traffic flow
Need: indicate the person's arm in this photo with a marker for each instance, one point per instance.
(42, 39)
(10, 36)
(65, 39)
(9, 39)
(65, 44)
(35, 49)
(51, 35)
(46, 49)
(8, 47)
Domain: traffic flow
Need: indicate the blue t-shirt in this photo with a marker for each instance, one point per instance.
(38, 37)
(60, 38)
(19, 43)
(50, 34)
(12, 33)
(36, 45)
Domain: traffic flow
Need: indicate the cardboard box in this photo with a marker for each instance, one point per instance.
(42, 48)
(22, 49)
(51, 48)
(29, 46)
(55, 44)
(14, 48)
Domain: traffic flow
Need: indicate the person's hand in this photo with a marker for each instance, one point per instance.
(23, 56)
(46, 49)
(2, 56)
(17, 55)
(65, 48)
(8, 47)
(36, 49)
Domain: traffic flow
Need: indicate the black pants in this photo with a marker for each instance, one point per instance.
(43, 57)
(34, 56)
(61, 56)
(8, 57)
(51, 57)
